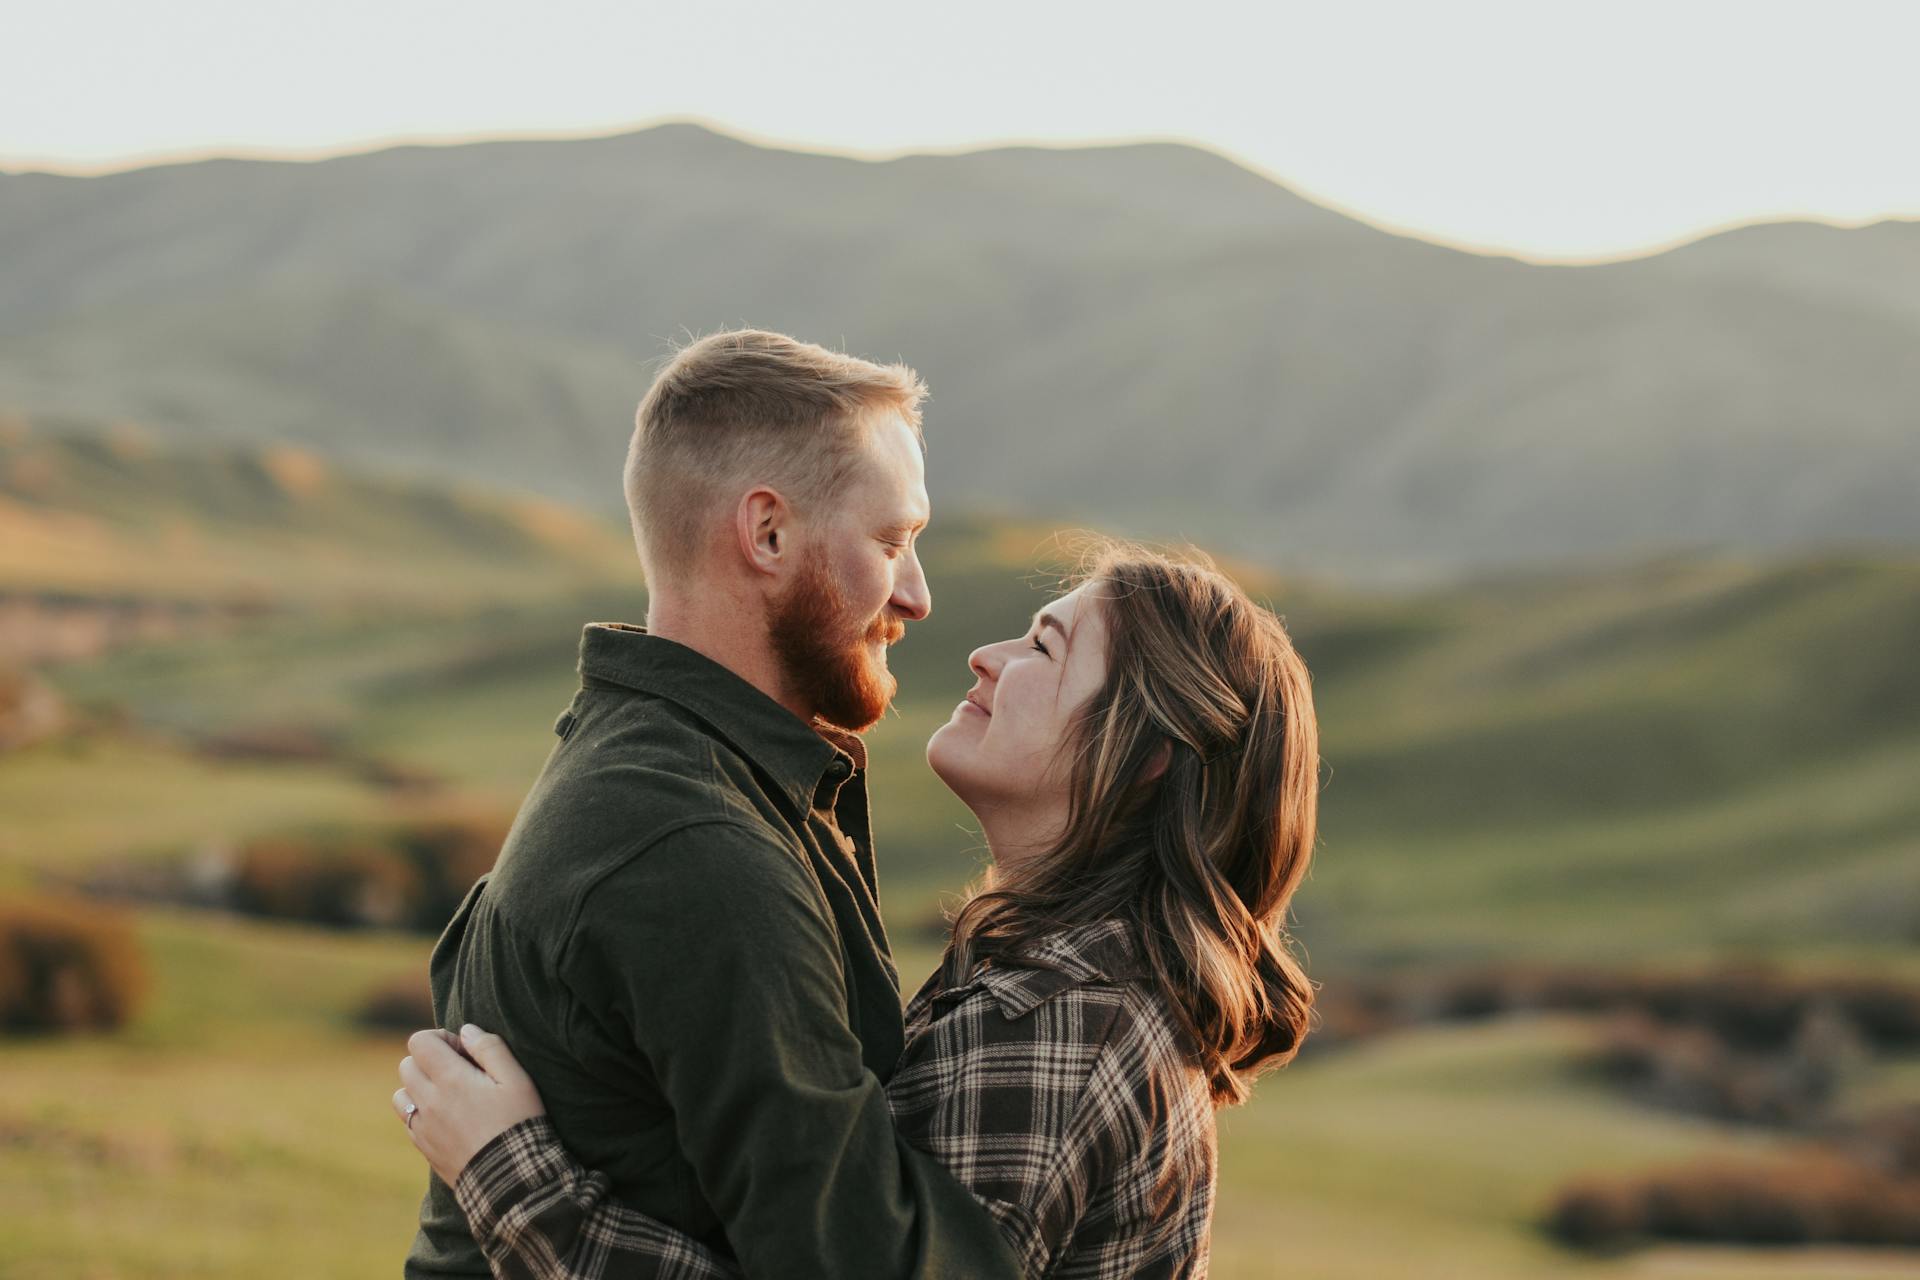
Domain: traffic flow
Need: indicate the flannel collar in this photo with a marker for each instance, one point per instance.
(1102, 951)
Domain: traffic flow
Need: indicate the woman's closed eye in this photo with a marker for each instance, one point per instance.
(1042, 648)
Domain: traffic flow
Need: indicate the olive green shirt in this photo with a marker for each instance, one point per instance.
(681, 942)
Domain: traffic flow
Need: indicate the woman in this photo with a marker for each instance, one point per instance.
(1144, 766)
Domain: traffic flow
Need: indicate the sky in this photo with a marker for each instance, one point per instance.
(1553, 130)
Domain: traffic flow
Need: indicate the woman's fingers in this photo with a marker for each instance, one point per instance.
(401, 1101)
(462, 1106)
(438, 1055)
(422, 1045)
(491, 1052)
(418, 1086)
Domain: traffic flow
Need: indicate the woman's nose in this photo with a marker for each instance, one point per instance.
(985, 661)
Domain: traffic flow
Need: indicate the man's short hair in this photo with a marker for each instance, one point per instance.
(743, 408)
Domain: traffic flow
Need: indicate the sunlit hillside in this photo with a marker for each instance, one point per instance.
(1656, 764)
(109, 510)
(1578, 762)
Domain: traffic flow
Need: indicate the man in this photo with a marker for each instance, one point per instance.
(681, 938)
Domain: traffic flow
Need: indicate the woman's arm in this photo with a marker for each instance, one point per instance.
(535, 1211)
(1004, 1094)
(541, 1215)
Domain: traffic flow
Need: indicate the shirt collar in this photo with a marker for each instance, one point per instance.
(1102, 951)
(803, 760)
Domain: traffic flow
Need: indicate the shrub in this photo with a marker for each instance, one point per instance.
(29, 709)
(67, 966)
(404, 1004)
(326, 882)
(1692, 1069)
(450, 854)
(1886, 1138)
(1886, 1011)
(391, 775)
(279, 744)
(1816, 1198)
(410, 876)
(1750, 1008)
(1345, 1013)
(1595, 1215)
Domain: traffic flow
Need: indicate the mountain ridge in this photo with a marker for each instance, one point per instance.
(1146, 337)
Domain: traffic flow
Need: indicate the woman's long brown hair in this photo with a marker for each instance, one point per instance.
(1194, 800)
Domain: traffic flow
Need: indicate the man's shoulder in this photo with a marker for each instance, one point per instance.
(633, 769)
(638, 792)
(646, 746)
(705, 888)
(718, 862)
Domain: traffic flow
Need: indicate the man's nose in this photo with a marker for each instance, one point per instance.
(912, 598)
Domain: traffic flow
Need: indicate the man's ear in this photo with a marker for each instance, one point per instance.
(763, 526)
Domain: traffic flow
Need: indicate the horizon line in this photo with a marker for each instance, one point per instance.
(135, 162)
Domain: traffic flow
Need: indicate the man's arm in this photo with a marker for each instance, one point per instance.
(720, 959)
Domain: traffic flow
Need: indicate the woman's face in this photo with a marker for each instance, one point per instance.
(1006, 742)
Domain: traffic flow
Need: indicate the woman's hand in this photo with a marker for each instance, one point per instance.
(457, 1106)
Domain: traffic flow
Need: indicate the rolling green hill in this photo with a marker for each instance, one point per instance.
(116, 513)
(1140, 337)
(1676, 757)
(1660, 762)
(1671, 756)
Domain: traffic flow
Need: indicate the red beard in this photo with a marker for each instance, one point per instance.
(825, 655)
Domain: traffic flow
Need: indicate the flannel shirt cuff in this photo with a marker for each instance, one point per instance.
(538, 1214)
(526, 1159)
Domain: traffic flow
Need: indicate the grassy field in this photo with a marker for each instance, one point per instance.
(1669, 763)
(1644, 764)
(241, 1129)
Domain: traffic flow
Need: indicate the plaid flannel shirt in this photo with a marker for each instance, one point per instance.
(1055, 1089)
